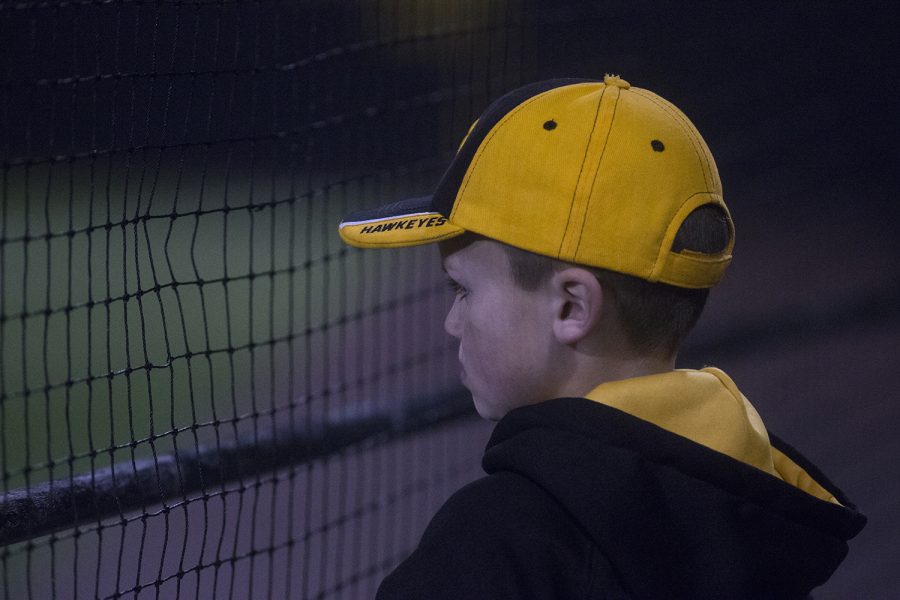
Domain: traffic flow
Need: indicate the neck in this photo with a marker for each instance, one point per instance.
(587, 372)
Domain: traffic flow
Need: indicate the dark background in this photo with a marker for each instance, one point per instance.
(797, 102)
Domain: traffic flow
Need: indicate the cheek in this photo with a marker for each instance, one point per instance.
(498, 344)
(485, 327)
(503, 353)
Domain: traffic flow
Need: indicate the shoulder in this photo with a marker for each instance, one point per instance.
(501, 536)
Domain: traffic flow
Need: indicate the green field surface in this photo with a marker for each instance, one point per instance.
(141, 298)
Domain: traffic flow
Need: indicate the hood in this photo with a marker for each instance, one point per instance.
(676, 480)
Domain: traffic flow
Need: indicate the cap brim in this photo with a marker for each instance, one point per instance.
(409, 222)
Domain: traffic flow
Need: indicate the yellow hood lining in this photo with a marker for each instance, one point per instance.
(706, 407)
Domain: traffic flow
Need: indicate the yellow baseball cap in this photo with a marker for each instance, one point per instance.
(597, 173)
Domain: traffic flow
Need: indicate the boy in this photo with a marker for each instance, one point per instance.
(582, 224)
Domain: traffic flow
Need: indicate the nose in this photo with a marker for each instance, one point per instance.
(451, 322)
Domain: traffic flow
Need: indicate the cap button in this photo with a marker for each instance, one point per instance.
(616, 81)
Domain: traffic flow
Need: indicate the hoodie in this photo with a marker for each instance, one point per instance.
(664, 486)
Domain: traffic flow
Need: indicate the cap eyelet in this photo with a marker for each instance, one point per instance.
(550, 125)
(657, 146)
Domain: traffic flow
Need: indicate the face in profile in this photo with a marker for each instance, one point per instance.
(504, 332)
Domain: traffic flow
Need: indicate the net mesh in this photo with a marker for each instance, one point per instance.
(203, 393)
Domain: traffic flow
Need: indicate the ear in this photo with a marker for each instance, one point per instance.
(578, 302)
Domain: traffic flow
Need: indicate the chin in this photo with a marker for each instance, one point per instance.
(487, 411)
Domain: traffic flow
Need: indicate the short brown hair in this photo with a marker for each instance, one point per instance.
(655, 316)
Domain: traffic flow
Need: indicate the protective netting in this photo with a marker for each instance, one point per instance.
(202, 392)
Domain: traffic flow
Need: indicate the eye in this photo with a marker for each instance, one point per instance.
(456, 288)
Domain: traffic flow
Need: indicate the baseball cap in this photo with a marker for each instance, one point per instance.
(597, 173)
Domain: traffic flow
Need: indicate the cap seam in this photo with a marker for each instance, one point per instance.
(587, 149)
(704, 160)
(587, 207)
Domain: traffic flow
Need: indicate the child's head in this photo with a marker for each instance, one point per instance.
(527, 323)
(582, 223)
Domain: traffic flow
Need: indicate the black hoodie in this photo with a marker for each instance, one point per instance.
(585, 500)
